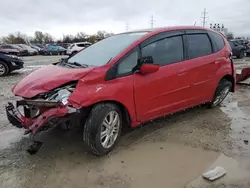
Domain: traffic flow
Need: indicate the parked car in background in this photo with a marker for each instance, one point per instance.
(248, 50)
(21, 52)
(64, 45)
(11, 51)
(76, 47)
(125, 80)
(35, 47)
(40, 45)
(30, 50)
(237, 49)
(242, 42)
(9, 63)
(53, 50)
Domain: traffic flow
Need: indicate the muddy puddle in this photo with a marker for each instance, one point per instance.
(238, 110)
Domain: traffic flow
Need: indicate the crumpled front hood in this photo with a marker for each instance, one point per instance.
(46, 79)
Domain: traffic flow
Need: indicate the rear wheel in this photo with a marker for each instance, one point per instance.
(241, 55)
(102, 128)
(221, 93)
(4, 69)
(73, 53)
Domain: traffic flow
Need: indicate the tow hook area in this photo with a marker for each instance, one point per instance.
(48, 118)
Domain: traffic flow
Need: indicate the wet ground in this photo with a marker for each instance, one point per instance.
(170, 152)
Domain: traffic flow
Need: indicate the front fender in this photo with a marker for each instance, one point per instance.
(87, 94)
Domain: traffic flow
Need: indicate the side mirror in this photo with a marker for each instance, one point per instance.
(149, 68)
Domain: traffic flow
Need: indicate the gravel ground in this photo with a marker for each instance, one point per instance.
(169, 152)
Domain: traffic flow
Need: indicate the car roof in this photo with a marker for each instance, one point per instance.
(171, 28)
(82, 43)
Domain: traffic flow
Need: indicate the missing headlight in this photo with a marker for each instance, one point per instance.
(60, 94)
(63, 95)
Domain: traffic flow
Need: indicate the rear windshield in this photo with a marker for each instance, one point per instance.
(103, 51)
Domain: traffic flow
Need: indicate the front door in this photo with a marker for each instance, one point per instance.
(168, 89)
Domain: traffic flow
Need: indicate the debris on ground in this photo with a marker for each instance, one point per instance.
(246, 142)
(214, 174)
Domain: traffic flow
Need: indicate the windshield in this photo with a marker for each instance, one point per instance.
(103, 51)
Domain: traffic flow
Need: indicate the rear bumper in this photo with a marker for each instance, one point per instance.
(34, 124)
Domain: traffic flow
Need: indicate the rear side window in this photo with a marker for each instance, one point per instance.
(198, 45)
(218, 41)
(83, 45)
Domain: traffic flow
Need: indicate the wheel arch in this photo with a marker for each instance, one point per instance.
(229, 78)
(126, 117)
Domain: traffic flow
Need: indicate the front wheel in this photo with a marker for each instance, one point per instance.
(221, 93)
(4, 69)
(102, 128)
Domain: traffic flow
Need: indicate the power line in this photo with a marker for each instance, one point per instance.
(204, 17)
(152, 20)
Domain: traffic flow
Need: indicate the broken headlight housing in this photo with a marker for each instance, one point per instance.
(60, 94)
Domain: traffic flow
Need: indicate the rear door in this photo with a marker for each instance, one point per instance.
(203, 65)
(168, 89)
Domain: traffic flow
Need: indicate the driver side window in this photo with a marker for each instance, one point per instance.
(165, 51)
(126, 66)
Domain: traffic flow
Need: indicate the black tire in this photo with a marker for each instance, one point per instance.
(73, 53)
(93, 125)
(224, 85)
(241, 55)
(5, 68)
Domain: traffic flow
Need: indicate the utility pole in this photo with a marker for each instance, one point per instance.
(152, 21)
(127, 26)
(204, 17)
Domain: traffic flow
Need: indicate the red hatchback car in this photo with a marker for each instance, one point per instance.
(125, 80)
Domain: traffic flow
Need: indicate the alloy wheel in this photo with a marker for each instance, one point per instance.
(2, 69)
(110, 129)
(221, 96)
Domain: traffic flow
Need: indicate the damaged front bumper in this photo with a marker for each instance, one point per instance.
(49, 112)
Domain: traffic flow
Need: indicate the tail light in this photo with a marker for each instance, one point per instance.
(71, 46)
(248, 44)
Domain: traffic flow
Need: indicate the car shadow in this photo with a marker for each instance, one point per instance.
(66, 142)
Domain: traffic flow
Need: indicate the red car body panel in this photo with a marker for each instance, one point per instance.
(46, 79)
(37, 123)
(172, 88)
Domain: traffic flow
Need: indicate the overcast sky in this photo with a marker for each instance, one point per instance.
(59, 17)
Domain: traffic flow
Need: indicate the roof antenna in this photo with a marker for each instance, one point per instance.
(195, 23)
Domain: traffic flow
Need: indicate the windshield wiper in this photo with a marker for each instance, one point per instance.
(78, 64)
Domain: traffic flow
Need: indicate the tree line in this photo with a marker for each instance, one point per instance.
(46, 38)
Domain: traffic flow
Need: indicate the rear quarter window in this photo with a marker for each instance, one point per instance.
(198, 45)
(218, 41)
